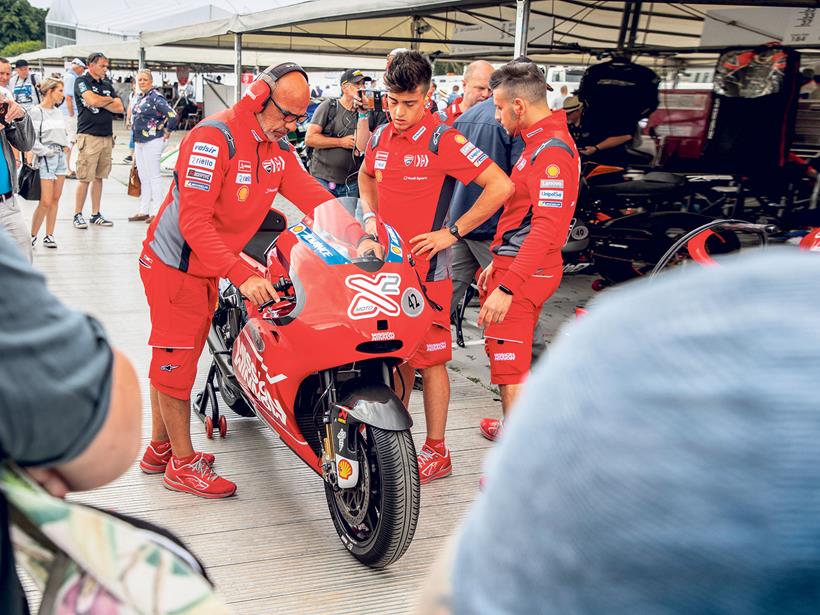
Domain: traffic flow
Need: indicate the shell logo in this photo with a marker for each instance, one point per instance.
(298, 228)
(243, 193)
(379, 176)
(460, 139)
(345, 469)
(553, 170)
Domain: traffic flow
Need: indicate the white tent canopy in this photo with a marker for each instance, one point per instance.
(127, 55)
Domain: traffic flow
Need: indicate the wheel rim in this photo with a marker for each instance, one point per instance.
(359, 509)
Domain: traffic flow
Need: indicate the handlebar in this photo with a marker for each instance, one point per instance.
(749, 227)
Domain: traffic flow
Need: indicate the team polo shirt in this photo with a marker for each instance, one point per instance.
(415, 173)
(535, 221)
(451, 113)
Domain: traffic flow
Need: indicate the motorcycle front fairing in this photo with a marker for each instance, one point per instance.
(349, 307)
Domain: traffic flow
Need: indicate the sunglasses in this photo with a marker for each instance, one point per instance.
(287, 115)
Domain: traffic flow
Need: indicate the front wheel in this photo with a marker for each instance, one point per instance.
(376, 520)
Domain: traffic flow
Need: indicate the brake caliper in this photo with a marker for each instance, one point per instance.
(340, 457)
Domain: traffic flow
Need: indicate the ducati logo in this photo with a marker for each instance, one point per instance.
(274, 164)
(418, 160)
(374, 295)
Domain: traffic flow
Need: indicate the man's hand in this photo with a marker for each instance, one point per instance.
(50, 480)
(348, 142)
(589, 150)
(484, 278)
(259, 290)
(14, 112)
(495, 308)
(371, 227)
(368, 245)
(433, 242)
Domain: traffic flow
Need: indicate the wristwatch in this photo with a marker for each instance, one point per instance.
(454, 231)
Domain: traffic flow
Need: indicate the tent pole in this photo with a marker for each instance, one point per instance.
(237, 47)
(624, 25)
(633, 28)
(40, 66)
(522, 27)
(142, 58)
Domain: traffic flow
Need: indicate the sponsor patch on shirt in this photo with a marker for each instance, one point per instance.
(200, 147)
(382, 155)
(557, 204)
(202, 161)
(244, 166)
(243, 178)
(460, 139)
(380, 164)
(419, 132)
(205, 176)
(480, 160)
(534, 132)
(522, 162)
(189, 183)
(466, 148)
(552, 183)
(553, 170)
(473, 155)
(551, 195)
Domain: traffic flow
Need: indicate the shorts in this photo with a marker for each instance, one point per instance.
(437, 346)
(71, 129)
(181, 307)
(93, 157)
(52, 166)
(509, 343)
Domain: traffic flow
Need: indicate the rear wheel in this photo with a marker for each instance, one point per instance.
(376, 520)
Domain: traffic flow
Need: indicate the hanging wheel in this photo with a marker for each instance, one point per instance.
(223, 426)
(209, 427)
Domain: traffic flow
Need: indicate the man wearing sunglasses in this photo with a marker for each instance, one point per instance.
(230, 168)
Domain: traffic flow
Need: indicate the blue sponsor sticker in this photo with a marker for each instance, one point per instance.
(321, 248)
(197, 185)
(557, 204)
(394, 254)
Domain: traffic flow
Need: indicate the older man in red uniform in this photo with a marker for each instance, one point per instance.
(410, 168)
(527, 263)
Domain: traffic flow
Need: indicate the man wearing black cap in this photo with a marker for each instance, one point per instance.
(23, 86)
(336, 161)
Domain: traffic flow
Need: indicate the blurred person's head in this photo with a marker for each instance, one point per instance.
(476, 83)
(22, 68)
(5, 72)
(392, 56)
(145, 80)
(77, 66)
(676, 469)
(520, 96)
(574, 108)
(97, 65)
(407, 81)
(52, 92)
(352, 82)
(564, 90)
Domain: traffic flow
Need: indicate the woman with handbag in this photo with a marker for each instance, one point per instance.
(153, 120)
(50, 153)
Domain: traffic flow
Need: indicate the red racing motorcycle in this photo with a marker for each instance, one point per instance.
(318, 367)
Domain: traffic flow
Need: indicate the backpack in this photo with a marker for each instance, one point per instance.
(327, 129)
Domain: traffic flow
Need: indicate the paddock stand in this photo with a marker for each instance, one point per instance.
(203, 399)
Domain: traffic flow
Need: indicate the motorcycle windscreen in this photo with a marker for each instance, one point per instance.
(337, 233)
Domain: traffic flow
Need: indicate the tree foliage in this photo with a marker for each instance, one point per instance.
(15, 49)
(19, 21)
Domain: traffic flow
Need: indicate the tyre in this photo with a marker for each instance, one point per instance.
(376, 520)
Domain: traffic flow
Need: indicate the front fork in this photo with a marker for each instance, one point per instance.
(340, 466)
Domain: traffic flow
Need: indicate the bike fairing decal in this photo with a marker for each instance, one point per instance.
(321, 248)
(374, 295)
(394, 251)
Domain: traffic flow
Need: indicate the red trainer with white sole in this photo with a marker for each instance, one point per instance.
(433, 465)
(197, 477)
(154, 461)
(492, 429)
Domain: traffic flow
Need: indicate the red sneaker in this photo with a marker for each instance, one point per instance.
(154, 461)
(198, 478)
(492, 429)
(433, 465)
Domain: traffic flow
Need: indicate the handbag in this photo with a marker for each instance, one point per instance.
(29, 183)
(134, 185)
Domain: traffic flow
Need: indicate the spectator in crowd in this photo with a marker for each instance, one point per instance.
(675, 470)
(372, 119)
(432, 95)
(454, 95)
(17, 134)
(472, 252)
(5, 73)
(95, 136)
(476, 89)
(75, 69)
(24, 86)
(70, 408)
(51, 152)
(574, 109)
(133, 95)
(560, 100)
(335, 161)
(153, 120)
(604, 138)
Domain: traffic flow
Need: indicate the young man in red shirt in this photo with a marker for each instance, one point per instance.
(527, 263)
(230, 168)
(411, 165)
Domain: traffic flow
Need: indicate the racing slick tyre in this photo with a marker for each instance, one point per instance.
(376, 519)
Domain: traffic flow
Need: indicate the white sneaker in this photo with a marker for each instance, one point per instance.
(48, 241)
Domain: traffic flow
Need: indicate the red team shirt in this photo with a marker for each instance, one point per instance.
(534, 224)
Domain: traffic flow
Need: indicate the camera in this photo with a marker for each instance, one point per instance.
(372, 99)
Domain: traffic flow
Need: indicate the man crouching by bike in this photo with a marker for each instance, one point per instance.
(527, 263)
(229, 170)
(410, 168)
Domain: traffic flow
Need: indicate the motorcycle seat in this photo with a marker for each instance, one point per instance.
(257, 248)
(656, 182)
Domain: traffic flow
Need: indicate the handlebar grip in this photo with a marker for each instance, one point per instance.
(751, 227)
